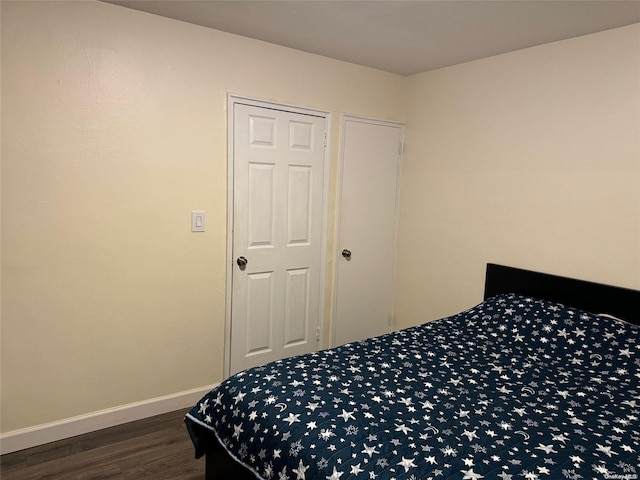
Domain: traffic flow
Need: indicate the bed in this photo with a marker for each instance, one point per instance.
(539, 381)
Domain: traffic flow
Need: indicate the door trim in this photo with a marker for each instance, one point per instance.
(344, 118)
(232, 100)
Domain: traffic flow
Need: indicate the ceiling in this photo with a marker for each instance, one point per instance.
(398, 36)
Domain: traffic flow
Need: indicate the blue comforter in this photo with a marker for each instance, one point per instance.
(514, 388)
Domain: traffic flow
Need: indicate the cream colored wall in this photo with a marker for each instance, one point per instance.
(530, 159)
(114, 127)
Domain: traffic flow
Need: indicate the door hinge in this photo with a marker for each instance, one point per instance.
(325, 139)
(318, 333)
(390, 320)
(401, 148)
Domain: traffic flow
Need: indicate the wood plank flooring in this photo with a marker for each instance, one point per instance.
(153, 448)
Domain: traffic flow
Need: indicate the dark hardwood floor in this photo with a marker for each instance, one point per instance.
(154, 448)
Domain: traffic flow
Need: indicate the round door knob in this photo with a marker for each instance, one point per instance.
(346, 254)
(242, 262)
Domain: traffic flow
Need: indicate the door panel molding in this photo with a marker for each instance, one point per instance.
(301, 137)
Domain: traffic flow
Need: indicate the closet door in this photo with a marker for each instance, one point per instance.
(371, 159)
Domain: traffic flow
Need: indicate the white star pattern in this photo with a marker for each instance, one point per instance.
(471, 474)
(335, 475)
(407, 463)
(300, 471)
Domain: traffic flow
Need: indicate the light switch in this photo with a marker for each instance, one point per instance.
(198, 221)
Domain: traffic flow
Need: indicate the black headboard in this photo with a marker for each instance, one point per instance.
(593, 297)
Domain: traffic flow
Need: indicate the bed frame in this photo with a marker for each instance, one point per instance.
(623, 303)
(620, 302)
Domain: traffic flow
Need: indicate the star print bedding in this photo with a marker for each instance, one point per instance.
(514, 388)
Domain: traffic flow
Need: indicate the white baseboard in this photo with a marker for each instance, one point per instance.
(70, 427)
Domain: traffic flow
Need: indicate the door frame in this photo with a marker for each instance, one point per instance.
(344, 118)
(232, 100)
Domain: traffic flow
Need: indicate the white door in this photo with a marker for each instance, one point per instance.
(278, 178)
(367, 232)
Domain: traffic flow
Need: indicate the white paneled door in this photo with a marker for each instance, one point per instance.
(368, 209)
(278, 179)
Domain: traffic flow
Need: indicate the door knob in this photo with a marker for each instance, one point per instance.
(242, 262)
(346, 254)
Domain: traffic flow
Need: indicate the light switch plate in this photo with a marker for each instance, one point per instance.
(198, 221)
